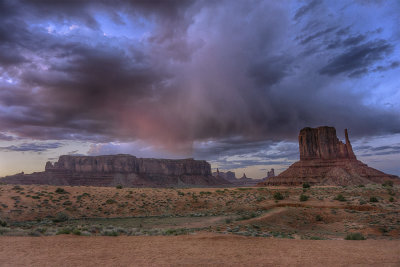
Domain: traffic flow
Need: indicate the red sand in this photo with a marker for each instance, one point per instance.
(200, 249)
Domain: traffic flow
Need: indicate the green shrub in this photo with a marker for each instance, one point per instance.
(34, 233)
(306, 185)
(355, 236)
(318, 218)
(388, 183)
(391, 192)
(316, 238)
(247, 216)
(278, 196)
(4, 230)
(61, 191)
(76, 232)
(64, 231)
(61, 217)
(391, 199)
(119, 186)
(41, 230)
(110, 201)
(304, 197)
(17, 187)
(110, 233)
(171, 232)
(340, 197)
(260, 198)
(3, 223)
(373, 199)
(383, 229)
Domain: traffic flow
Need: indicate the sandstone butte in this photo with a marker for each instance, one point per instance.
(325, 160)
(125, 170)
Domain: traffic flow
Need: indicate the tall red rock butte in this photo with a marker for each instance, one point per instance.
(125, 170)
(325, 160)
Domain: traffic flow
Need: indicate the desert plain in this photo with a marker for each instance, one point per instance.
(55, 226)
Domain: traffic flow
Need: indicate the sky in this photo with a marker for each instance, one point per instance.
(230, 82)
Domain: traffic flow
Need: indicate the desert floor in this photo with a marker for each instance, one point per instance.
(194, 249)
(326, 213)
(98, 226)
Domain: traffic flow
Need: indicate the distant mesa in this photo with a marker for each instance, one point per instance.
(231, 177)
(125, 170)
(271, 173)
(325, 160)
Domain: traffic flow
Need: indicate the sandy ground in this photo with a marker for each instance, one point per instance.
(200, 249)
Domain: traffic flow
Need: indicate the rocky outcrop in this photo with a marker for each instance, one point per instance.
(271, 173)
(325, 160)
(322, 143)
(231, 177)
(126, 170)
(246, 181)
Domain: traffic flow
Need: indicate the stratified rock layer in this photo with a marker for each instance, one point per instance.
(125, 170)
(325, 160)
(322, 143)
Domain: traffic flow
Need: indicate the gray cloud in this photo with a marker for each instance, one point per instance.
(367, 151)
(354, 40)
(392, 65)
(236, 153)
(306, 8)
(317, 35)
(355, 60)
(5, 137)
(32, 147)
(203, 71)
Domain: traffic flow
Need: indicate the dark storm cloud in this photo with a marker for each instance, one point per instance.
(32, 147)
(393, 65)
(236, 153)
(7, 58)
(316, 35)
(354, 40)
(355, 60)
(199, 71)
(306, 8)
(350, 41)
(270, 71)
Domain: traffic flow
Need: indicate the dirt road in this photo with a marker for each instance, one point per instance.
(199, 249)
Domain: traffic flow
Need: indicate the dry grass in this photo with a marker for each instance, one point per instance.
(244, 211)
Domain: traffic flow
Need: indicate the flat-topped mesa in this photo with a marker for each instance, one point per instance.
(125, 170)
(322, 143)
(123, 163)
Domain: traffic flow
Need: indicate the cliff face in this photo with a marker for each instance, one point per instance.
(129, 164)
(126, 170)
(322, 143)
(325, 160)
